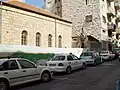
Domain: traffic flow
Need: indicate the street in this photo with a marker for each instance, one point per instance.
(101, 77)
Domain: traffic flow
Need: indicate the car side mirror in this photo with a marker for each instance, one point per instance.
(79, 58)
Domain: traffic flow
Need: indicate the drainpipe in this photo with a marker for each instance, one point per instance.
(0, 22)
(55, 34)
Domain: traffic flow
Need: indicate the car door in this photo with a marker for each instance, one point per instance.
(71, 61)
(28, 70)
(78, 62)
(11, 70)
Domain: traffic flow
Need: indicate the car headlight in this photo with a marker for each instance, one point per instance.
(60, 64)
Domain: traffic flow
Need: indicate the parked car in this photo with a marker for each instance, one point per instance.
(65, 63)
(118, 54)
(107, 55)
(91, 57)
(15, 71)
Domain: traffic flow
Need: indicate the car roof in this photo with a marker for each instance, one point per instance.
(7, 59)
(64, 54)
(2, 60)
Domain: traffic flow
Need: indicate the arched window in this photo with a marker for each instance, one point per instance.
(59, 41)
(38, 39)
(49, 40)
(24, 38)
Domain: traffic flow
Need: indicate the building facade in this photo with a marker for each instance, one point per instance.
(23, 24)
(88, 16)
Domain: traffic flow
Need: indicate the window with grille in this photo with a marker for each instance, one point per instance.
(38, 39)
(24, 38)
(49, 40)
(60, 41)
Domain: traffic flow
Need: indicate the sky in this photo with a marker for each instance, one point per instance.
(38, 3)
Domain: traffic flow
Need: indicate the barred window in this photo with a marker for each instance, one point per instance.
(38, 39)
(49, 40)
(24, 38)
(59, 41)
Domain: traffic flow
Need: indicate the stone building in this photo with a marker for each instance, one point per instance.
(24, 24)
(88, 16)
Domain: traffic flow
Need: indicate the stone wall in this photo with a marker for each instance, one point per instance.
(77, 10)
(14, 21)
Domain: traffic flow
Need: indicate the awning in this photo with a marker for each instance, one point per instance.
(91, 38)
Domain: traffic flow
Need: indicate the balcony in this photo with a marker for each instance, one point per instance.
(111, 11)
(110, 0)
(118, 18)
(111, 26)
(117, 5)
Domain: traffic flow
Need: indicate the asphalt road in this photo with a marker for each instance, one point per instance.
(101, 77)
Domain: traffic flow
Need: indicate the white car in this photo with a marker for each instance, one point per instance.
(91, 57)
(107, 55)
(65, 63)
(15, 71)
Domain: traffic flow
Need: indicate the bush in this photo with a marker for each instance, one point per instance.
(33, 56)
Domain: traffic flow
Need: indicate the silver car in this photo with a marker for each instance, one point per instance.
(107, 55)
(15, 71)
(91, 57)
(65, 63)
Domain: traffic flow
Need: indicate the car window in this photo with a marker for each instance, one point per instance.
(26, 64)
(9, 65)
(58, 58)
(86, 54)
(69, 58)
(75, 57)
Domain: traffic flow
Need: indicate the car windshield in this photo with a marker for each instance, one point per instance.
(1, 62)
(86, 55)
(104, 52)
(58, 58)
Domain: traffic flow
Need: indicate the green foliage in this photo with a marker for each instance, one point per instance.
(33, 56)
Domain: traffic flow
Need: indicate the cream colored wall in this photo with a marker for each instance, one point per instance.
(65, 30)
(14, 21)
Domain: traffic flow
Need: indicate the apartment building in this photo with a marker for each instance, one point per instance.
(89, 19)
(96, 20)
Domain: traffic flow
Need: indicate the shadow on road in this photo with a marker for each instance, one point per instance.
(25, 85)
(64, 74)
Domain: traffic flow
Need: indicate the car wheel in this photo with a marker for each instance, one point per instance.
(68, 70)
(46, 77)
(3, 85)
(83, 66)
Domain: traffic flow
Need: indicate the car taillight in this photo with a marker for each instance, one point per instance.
(60, 64)
(45, 64)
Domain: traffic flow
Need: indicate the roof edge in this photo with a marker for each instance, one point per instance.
(8, 4)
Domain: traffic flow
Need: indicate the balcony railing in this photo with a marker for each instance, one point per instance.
(111, 26)
(111, 10)
(117, 4)
(110, 0)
